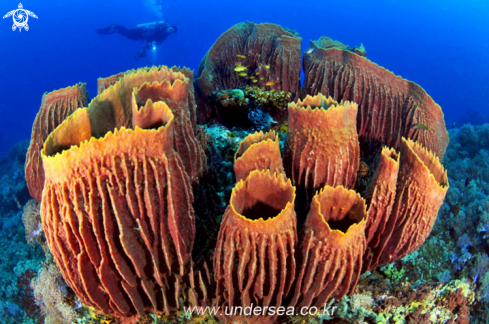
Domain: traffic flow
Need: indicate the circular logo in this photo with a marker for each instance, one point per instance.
(20, 18)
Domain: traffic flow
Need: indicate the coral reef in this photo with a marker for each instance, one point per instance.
(19, 262)
(132, 182)
(51, 292)
(14, 192)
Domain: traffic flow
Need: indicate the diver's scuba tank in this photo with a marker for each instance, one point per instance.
(152, 24)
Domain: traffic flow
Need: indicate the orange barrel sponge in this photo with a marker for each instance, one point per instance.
(332, 248)
(176, 96)
(117, 211)
(176, 89)
(380, 197)
(267, 51)
(104, 83)
(258, 151)
(55, 107)
(390, 107)
(254, 261)
(322, 145)
(421, 187)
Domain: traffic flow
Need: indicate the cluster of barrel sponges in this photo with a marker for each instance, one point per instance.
(117, 202)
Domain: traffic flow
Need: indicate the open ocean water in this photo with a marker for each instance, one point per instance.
(442, 45)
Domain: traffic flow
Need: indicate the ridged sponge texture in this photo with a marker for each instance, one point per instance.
(254, 260)
(267, 49)
(117, 209)
(332, 246)
(55, 107)
(258, 151)
(390, 107)
(322, 146)
(400, 224)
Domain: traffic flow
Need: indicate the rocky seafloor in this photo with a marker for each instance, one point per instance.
(444, 281)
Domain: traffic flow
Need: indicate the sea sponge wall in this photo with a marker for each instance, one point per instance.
(380, 197)
(123, 177)
(179, 96)
(322, 146)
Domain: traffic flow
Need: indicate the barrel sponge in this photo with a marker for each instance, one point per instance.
(400, 224)
(390, 107)
(55, 107)
(267, 49)
(117, 211)
(254, 259)
(258, 151)
(322, 145)
(330, 256)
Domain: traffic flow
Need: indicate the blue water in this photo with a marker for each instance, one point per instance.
(441, 45)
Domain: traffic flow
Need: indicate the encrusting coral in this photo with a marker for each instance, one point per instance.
(117, 204)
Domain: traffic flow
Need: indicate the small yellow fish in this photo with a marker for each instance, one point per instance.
(267, 66)
(241, 56)
(106, 320)
(243, 74)
(270, 83)
(423, 127)
(258, 55)
(240, 68)
(257, 73)
(262, 78)
(255, 81)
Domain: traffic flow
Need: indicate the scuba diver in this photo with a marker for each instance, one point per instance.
(152, 34)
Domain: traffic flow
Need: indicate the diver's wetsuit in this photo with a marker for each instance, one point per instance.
(152, 35)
